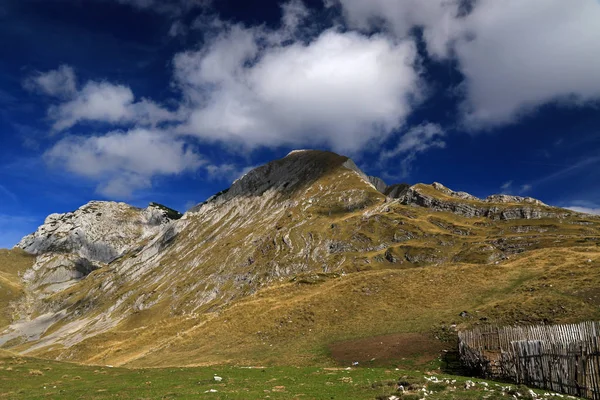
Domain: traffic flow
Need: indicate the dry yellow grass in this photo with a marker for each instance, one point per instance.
(293, 323)
(12, 264)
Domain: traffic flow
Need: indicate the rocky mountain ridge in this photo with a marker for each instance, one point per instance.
(312, 212)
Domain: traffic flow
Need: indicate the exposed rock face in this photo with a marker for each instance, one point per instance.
(504, 198)
(441, 198)
(396, 191)
(449, 192)
(465, 204)
(90, 231)
(378, 183)
(299, 168)
(69, 246)
(521, 208)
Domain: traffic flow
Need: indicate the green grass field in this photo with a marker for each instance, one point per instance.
(30, 378)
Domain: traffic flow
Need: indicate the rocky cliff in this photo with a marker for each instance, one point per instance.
(69, 246)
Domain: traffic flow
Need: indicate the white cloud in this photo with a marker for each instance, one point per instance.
(586, 210)
(97, 102)
(106, 102)
(416, 140)
(527, 53)
(420, 138)
(342, 89)
(436, 17)
(60, 82)
(124, 161)
(515, 55)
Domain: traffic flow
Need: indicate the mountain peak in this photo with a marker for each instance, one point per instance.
(298, 169)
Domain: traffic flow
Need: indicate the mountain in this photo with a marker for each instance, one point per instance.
(296, 256)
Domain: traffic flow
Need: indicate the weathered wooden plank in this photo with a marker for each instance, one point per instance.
(563, 358)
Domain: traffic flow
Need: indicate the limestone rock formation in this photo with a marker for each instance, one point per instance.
(90, 231)
(440, 198)
(69, 246)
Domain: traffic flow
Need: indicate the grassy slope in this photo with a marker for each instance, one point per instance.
(294, 323)
(28, 378)
(12, 263)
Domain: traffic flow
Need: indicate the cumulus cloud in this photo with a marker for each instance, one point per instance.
(341, 89)
(525, 54)
(60, 82)
(399, 18)
(96, 101)
(123, 162)
(416, 140)
(515, 55)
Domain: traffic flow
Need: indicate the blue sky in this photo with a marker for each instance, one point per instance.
(170, 101)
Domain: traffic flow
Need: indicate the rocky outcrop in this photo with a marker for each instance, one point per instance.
(449, 192)
(396, 191)
(441, 198)
(90, 233)
(505, 198)
(378, 183)
(526, 209)
(69, 246)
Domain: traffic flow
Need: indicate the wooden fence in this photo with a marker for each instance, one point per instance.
(561, 358)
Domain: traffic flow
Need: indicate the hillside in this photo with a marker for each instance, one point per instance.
(13, 264)
(303, 261)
